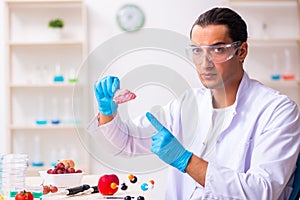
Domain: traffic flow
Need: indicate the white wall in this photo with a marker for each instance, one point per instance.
(177, 16)
(174, 15)
(168, 14)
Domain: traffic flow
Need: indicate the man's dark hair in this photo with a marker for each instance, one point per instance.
(237, 27)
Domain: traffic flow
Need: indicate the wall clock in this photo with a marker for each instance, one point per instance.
(130, 18)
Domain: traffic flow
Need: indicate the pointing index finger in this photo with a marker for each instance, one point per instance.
(157, 125)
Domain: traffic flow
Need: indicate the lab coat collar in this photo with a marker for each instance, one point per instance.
(244, 85)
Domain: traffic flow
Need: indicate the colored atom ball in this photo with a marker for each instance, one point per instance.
(132, 178)
(124, 186)
(144, 187)
(140, 198)
(151, 185)
(108, 184)
(127, 198)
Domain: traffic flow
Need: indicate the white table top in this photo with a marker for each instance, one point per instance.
(92, 180)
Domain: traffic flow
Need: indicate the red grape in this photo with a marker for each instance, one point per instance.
(70, 170)
(60, 165)
(61, 168)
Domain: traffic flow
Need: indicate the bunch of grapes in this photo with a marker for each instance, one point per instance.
(51, 188)
(60, 168)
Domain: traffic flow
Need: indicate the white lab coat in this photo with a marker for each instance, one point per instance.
(256, 152)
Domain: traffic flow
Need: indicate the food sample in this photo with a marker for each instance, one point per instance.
(49, 188)
(108, 184)
(64, 167)
(122, 96)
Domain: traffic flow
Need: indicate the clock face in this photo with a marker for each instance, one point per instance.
(130, 17)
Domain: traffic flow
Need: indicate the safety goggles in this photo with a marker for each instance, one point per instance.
(214, 53)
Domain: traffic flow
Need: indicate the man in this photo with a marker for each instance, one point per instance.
(248, 136)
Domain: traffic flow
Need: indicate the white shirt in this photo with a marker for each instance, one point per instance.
(256, 152)
(208, 151)
(218, 122)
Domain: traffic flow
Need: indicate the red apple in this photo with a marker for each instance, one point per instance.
(107, 184)
(68, 163)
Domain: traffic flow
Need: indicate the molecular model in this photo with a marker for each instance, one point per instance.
(109, 184)
(144, 186)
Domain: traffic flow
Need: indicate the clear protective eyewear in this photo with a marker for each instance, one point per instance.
(214, 53)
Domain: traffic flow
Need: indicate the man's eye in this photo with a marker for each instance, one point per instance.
(219, 50)
(197, 50)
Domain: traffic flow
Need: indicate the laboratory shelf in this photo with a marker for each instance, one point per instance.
(270, 37)
(36, 55)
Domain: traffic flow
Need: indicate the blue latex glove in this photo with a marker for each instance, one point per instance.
(104, 91)
(167, 147)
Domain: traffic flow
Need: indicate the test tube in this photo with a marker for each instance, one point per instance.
(55, 118)
(275, 71)
(67, 118)
(72, 76)
(58, 77)
(288, 73)
(41, 118)
(37, 160)
(53, 157)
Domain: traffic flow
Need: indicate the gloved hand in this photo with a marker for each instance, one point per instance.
(104, 91)
(167, 147)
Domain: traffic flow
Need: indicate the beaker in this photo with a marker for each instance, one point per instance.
(13, 169)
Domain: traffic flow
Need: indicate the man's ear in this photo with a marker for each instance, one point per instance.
(243, 51)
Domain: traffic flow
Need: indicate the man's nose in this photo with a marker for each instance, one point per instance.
(206, 61)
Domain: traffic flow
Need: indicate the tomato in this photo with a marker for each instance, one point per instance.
(24, 195)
